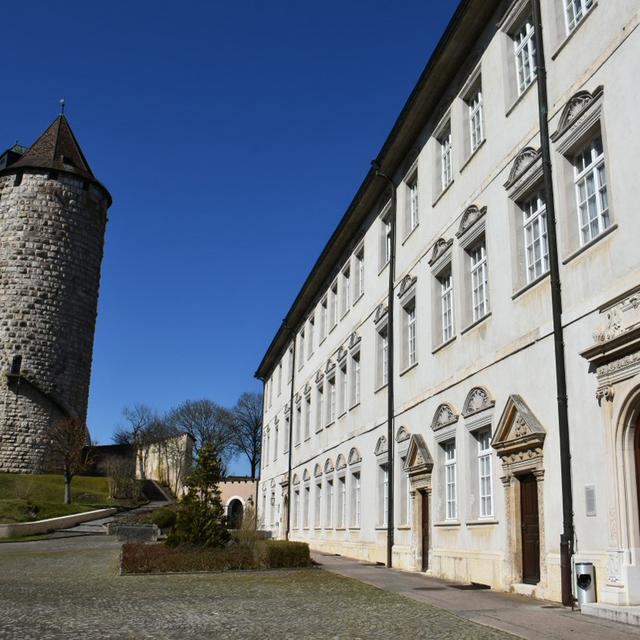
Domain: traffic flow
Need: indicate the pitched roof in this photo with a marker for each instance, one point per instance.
(58, 149)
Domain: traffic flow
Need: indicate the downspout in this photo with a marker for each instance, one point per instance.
(390, 350)
(567, 536)
(293, 377)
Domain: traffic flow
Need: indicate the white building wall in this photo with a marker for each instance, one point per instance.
(511, 350)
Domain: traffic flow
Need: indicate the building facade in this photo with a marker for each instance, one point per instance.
(476, 474)
(53, 213)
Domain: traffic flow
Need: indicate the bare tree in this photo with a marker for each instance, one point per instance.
(208, 423)
(247, 428)
(70, 447)
(139, 432)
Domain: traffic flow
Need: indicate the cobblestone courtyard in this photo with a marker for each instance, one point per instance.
(69, 588)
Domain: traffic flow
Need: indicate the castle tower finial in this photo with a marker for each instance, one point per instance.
(61, 106)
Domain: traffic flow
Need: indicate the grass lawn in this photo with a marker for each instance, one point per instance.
(24, 498)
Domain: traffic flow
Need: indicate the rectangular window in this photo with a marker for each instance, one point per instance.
(446, 304)
(355, 499)
(273, 509)
(333, 305)
(591, 190)
(298, 427)
(346, 291)
(305, 512)
(524, 49)
(296, 508)
(409, 334)
(355, 378)
(412, 219)
(383, 494)
(310, 332)
(280, 378)
(323, 319)
(307, 417)
(446, 166)
(276, 432)
(319, 407)
(328, 518)
(479, 281)
(342, 397)
(331, 400)
(301, 345)
(536, 247)
(450, 480)
(290, 367)
(382, 370)
(385, 239)
(484, 471)
(476, 124)
(358, 283)
(575, 11)
(287, 426)
(267, 443)
(318, 503)
(341, 507)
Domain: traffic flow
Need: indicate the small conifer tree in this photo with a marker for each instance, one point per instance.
(201, 519)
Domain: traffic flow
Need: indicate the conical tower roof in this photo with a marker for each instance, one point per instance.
(58, 149)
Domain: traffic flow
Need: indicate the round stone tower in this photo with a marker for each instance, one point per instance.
(53, 214)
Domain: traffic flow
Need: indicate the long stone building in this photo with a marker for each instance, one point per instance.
(498, 316)
(53, 213)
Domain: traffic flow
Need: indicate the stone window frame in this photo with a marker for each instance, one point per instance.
(296, 502)
(319, 417)
(471, 87)
(358, 273)
(355, 381)
(331, 398)
(441, 263)
(444, 426)
(382, 486)
(581, 120)
(384, 237)
(298, 418)
(443, 134)
(317, 496)
(329, 486)
(409, 182)
(509, 25)
(407, 300)
(471, 234)
(342, 494)
(381, 334)
(478, 414)
(524, 181)
(306, 499)
(354, 465)
(402, 439)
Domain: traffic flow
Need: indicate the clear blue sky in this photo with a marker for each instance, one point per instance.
(232, 136)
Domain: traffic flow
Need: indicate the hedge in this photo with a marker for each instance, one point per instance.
(138, 557)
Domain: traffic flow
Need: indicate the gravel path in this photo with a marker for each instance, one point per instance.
(69, 588)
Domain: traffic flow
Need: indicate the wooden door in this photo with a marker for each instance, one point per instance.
(424, 498)
(530, 529)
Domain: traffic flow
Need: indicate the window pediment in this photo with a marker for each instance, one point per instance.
(444, 416)
(328, 466)
(319, 377)
(408, 282)
(354, 456)
(418, 458)
(469, 218)
(575, 109)
(341, 354)
(354, 340)
(440, 248)
(518, 431)
(478, 399)
(523, 163)
(305, 475)
(402, 435)
(381, 446)
(317, 471)
(380, 313)
(340, 462)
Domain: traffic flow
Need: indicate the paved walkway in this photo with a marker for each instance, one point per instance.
(62, 589)
(521, 616)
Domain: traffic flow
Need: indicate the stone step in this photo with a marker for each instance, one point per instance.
(616, 613)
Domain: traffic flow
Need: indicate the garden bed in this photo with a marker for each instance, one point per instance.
(159, 558)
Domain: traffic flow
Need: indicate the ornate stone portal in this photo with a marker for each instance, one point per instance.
(518, 441)
(419, 465)
(615, 359)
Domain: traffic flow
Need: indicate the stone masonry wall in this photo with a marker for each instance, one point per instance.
(51, 243)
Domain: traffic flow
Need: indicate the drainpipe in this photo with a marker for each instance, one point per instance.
(567, 536)
(293, 377)
(390, 348)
